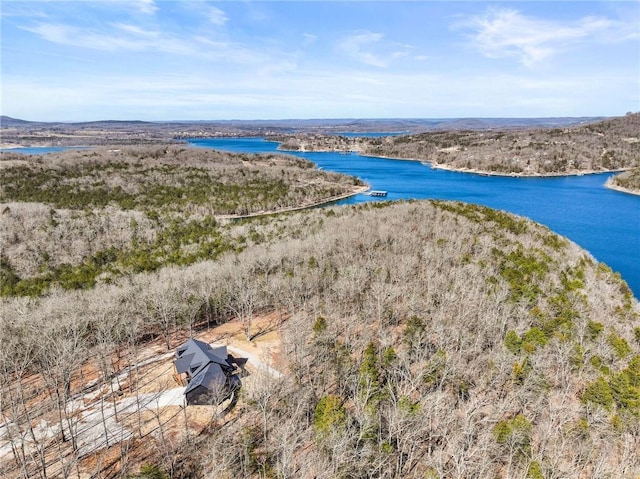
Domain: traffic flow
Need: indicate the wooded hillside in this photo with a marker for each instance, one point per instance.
(78, 217)
(421, 339)
(602, 146)
(629, 180)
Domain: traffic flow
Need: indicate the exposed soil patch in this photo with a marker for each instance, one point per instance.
(141, 414)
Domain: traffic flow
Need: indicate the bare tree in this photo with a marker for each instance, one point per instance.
(244, 298)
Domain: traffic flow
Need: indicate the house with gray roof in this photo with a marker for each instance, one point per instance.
(209, 374)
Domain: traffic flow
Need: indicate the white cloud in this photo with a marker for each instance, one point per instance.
(148, 7)
(20, 10)
(135, 30)
(68, 35)
(217, 16)
(217, 50)
(124, 37)
(312, 93)
(262, 73)
(357, 46)
(133, 38)
(372, 49)
(309, 38)
(507, 33)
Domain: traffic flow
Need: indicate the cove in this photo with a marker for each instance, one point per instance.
(604, 222)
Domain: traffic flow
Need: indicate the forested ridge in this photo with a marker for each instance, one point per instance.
(607, 145)
(419, 339)
(76, 217)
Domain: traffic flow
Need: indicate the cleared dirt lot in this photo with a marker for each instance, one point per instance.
(139, 415)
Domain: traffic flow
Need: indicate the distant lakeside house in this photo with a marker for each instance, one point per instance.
(209, 374)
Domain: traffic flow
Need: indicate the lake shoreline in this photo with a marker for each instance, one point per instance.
(552, 202)
(357, 191)
(8, 147)
(522, 175)
(473, 171)
(609, 184)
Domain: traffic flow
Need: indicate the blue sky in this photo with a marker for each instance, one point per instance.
(201, 60)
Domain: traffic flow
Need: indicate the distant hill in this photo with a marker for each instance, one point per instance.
(113, 132)
(9, 122)
(508, 123)
(527, 147)
(107, 123)
(343, 124)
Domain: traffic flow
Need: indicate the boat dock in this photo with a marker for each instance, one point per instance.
(377, 193)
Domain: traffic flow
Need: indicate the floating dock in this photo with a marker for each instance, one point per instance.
(377, 193)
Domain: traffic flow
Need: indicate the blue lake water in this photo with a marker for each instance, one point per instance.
(41, 150)
(603, 221)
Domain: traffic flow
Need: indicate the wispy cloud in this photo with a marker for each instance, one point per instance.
(203, 11)
(507, 33)
(19, 10)
(136, 30)
(148, 7)
(205, 59)
(217, 16)
(128, 37)
(228, 51)
(371, 49)
(358, 46)
(309, 38)
(120, 37)
(329, 93)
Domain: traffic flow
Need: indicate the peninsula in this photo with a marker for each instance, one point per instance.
(595, 147)
(627, 182)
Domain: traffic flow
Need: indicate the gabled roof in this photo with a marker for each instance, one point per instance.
(210, 376)
(206, 367)
(201, 353)
(191, 344)
(183, 363)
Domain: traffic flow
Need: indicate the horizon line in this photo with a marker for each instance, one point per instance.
(236, 120)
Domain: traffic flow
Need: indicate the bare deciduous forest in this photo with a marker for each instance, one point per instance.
(419, 339)
(78, 217)
(94, 133)
(629, 180)
(607, 145)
